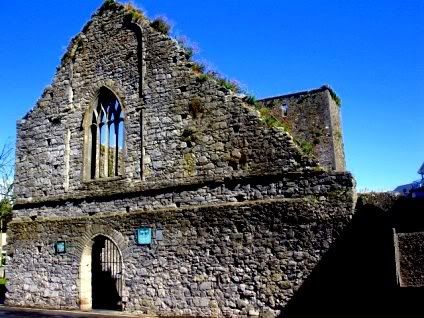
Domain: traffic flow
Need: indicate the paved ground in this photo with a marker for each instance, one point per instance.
(36, 313)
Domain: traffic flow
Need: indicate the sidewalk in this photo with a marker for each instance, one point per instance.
(36, 312)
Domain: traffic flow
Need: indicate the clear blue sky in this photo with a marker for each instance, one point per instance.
(370, 52)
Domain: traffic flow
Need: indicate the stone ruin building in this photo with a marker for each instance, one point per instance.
(144, 185)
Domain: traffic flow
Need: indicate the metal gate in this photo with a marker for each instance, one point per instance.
(106, 276)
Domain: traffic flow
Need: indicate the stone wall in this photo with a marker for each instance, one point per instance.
(319, 184)
(152, 77)
(313, 119)
(410, 257)
(403, 216)
(246, 214)
(235, 259)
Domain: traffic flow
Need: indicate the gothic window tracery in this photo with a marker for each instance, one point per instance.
(106, 137)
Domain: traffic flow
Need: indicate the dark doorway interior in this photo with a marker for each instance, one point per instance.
(106, 270)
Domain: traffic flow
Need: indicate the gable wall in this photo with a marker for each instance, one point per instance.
(225, 139)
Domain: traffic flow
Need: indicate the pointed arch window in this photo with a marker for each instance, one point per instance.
(106, 137)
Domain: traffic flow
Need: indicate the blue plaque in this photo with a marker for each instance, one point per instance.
(60, 247)
(144, 236)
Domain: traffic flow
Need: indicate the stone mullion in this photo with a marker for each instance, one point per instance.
(99, 141)
(98, 149)
(116, 124)
(106, 156)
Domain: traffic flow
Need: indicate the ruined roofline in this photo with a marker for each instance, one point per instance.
(306, 92)
(134, 15)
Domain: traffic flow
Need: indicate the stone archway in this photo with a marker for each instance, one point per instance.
(85, 279)
(101, 282)
(106, 274)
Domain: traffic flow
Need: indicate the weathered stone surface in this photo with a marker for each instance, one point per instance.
(108, 53)
(410, 258)
(237, 255)
(245, 215)
(313, 117)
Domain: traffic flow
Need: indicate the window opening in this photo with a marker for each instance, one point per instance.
(284, 109)
(107, 137)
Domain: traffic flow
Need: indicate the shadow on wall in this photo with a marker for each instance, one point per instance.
(357, 276)
(2, 294)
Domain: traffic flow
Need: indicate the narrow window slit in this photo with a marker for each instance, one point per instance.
(284, 109)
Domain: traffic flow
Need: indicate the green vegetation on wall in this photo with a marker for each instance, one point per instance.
(189, 163)
(133, 13)
(306, 146)
(334, 96)
(266, 116)
(107, 5)
(161, 25)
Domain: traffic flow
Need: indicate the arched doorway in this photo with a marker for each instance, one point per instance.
(101, 275)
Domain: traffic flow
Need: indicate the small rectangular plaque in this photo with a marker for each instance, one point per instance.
(159, 234)
(60, 247)
(144, 236)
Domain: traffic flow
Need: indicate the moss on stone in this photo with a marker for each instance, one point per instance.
(306, 146)
(270, 120)
(189, 163)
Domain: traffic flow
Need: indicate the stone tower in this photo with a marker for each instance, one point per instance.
(313, 119)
